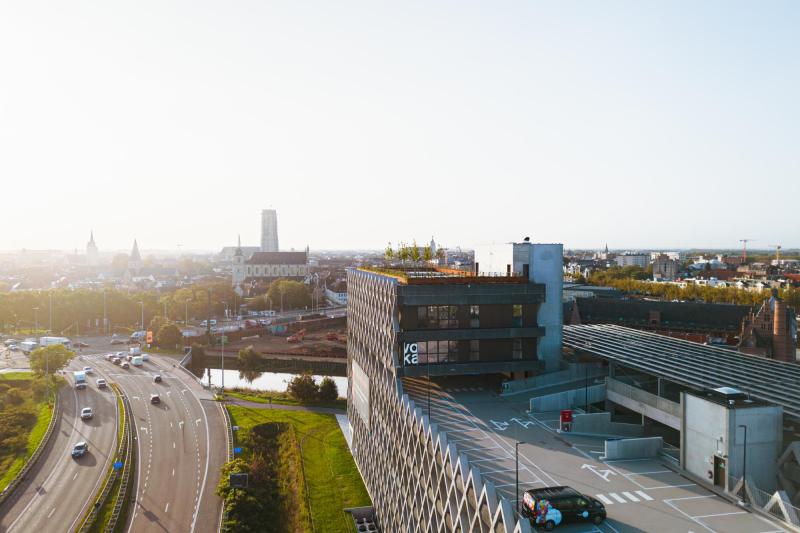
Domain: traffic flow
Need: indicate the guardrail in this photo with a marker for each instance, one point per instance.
(229, 427)
(122, 454)
(31, 462)
(127, 466)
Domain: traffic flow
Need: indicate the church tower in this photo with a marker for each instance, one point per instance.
(135, 260)
(91, 251)
(238, 269)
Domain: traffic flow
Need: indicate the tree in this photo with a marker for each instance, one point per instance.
(389, 252)
(248, 358)
(14, 396)
(427, 254)
(303, 387)
(328, 391)
(295, 294)
(156, 323)
(198, 350)
(50, 358)
(415, 255)
(169, 336)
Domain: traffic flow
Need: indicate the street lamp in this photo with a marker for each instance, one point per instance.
(50, 293)
(142, 304)
(744, 464)
(516, 472)
(36, 320)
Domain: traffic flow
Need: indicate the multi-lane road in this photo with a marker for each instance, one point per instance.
(181, 445)
(56, 494)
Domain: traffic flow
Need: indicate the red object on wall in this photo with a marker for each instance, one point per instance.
(566, 415)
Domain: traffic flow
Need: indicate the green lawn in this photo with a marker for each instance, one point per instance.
(12, 461)
(331, 476)
(281, 398)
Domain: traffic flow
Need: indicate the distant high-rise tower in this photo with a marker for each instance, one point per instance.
(135, 260)
(269, 230)
(91, 251)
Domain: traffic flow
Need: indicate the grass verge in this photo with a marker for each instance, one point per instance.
(331, 478)
(26, 421)
(281, 398)
(104, 514)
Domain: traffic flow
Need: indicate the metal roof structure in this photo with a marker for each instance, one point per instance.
(690, 364)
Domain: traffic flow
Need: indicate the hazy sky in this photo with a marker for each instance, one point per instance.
(361, 122)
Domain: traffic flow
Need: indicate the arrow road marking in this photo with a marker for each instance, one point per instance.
(144, 429)
(197, 422)
(603, 473)
(500, 426)
(523, 423)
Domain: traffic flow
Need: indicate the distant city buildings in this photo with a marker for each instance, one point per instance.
(269, 230)
(633, 259)
(665, 268)
(91, 251)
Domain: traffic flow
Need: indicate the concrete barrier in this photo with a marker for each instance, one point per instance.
(568, 399)
(600, 424)
(643, 448)
(575, 372)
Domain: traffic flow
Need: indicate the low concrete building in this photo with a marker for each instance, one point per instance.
(716, 425)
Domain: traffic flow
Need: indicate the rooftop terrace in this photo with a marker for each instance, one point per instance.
(428, 275)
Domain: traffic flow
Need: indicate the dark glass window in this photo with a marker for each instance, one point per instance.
(474, 316)
(432, 352)
(437, 317)
(517, 353)
(516, 314)
(474, 350)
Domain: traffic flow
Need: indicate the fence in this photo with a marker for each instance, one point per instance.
(777, 504)
(229, 429)
(573, 374)
(31, 462)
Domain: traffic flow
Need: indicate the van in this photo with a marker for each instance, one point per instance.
(28, 346)
(551, 506)
(137, 360)
(135, 350)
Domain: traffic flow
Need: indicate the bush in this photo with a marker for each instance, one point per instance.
(303, 388)
(198, 350)
(328, 391)
(14, 396)
(169, 336)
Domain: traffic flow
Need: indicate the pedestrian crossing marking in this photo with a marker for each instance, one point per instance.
(617, 497)
(603, 498)
(644, 495)
(612, 497)
(630, 496)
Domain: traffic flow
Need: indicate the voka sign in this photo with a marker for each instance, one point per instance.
(410, 356)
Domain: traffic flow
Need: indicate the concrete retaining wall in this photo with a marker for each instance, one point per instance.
(568, 399)
(569, 375)
(601, 424)
(633, 448)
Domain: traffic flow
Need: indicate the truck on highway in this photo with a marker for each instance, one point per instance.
(51, 341)
(138, 336)
(80, 379)
(28, 345)
(135, 350)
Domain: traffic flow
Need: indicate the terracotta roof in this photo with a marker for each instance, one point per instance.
(278, 258)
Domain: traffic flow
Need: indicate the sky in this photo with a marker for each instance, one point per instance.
(637, 124)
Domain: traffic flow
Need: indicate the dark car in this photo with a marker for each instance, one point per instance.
(551, 506)
(157, 378)
(155, 398)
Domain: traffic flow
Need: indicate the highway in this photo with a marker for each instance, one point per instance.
(59, 488)
(176, 475)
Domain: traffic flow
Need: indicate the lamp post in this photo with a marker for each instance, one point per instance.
(50, 293)
(222, 353)
(36, 320)
(744, 464)
(142, 304)
(186, 313)
(516, 473)
(105, 321)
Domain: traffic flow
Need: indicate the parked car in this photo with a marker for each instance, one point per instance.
(101, 383)
(157, 378)
(155, 398)
(551, 506)
(86, 413)
(80, 449)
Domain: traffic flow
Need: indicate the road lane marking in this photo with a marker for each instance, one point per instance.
(617, 497)
(602, 473)
(173, 445)
(75, 476)
(630, 496)
(53, 510)
(166, 508)
(644, 495)
(173, 472)
(604, 499)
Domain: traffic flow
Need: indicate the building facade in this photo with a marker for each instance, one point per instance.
(269, 230)
(268, 266)
(665, 268)
(431, 322)
(640, 260)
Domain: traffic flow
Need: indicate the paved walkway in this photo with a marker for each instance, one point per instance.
(310, 408)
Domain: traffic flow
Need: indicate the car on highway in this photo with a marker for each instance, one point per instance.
(155, 398)
(101, 383)
(80, 449)
(86, 413)
(549, 507)
(126, 365)
(115, 342)
(88, 370)
(10, 342)
(80, 344)
(157, 378)
(116, 360)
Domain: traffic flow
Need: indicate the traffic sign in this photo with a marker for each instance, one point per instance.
(237, 450)
(238, 481)
(117, 465)
(149, 337)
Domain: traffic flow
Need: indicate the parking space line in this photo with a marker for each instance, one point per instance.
(480, 448)
(698, 522)
(718, 514)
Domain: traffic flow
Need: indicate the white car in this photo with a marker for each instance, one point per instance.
(86, 413)
(101, 383)
(88, 370)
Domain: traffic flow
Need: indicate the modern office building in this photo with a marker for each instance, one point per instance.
(269, 230)
(424, 321)
(630, 259)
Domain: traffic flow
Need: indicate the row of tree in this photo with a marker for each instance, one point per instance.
(412, 252)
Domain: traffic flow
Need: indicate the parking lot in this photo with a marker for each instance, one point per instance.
(639, 495)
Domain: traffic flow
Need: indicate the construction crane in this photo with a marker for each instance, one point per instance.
(744, 249)
(777, 252)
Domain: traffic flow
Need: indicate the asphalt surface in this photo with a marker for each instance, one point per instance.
(59, 489)
(639, 496)
(181, 445)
